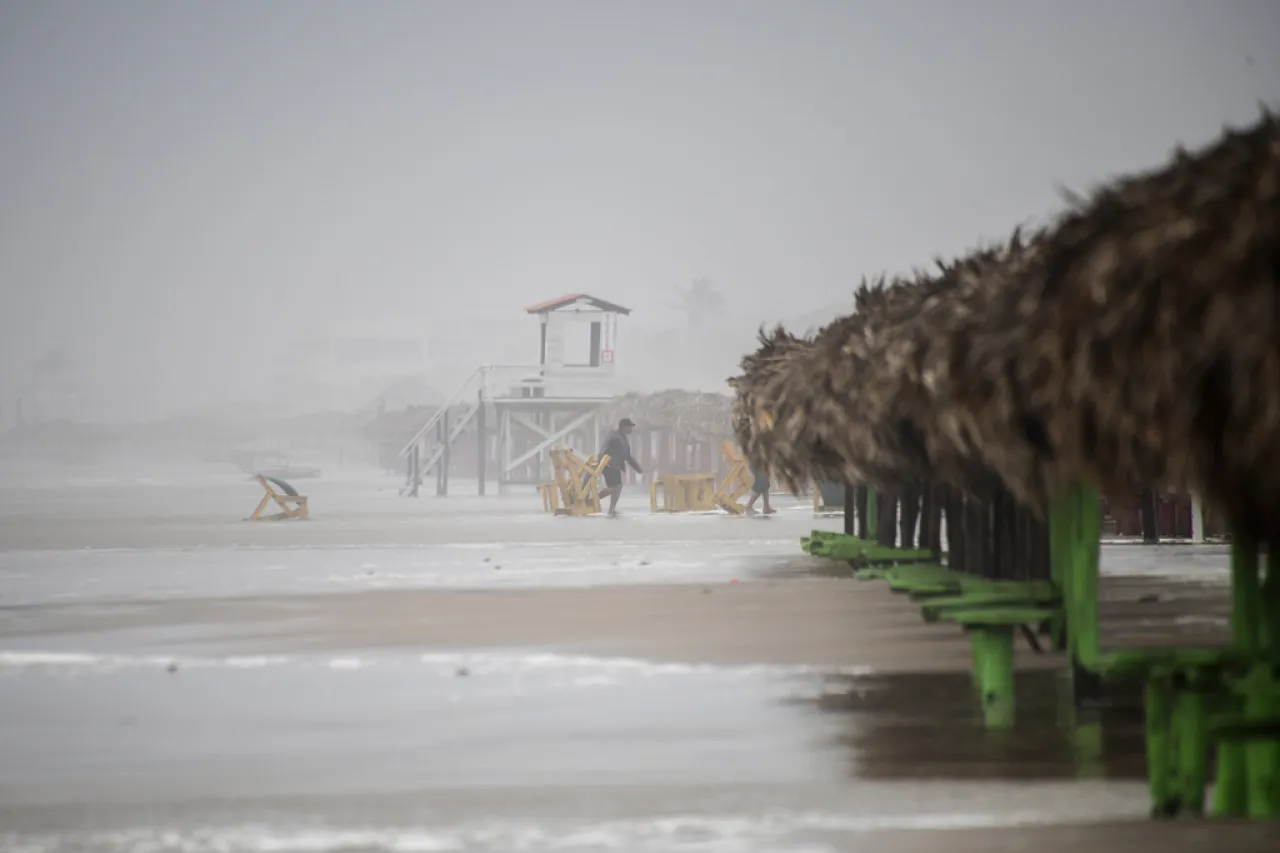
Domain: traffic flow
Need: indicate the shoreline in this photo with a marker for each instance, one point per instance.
(803, 621)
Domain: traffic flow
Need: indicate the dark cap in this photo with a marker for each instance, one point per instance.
(626, 422)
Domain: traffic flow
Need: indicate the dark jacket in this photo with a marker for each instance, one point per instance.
(618, 450)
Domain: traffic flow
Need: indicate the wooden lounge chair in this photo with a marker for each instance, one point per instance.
(285, 496)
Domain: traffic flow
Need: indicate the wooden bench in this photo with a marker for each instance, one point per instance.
(683, 493)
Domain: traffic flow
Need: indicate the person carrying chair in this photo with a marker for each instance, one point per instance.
(618, 449)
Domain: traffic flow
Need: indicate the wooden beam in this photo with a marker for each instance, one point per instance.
(549, 438)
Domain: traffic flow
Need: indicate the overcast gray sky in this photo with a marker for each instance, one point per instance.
(178, 177)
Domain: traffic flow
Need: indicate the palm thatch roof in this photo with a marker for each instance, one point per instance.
(1140, 343)
(695, 414)
(756, 404)
(1135, 342)
(913, 385)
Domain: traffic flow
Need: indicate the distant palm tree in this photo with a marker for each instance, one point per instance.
(701, 301)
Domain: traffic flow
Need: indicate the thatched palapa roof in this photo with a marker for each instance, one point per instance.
(756, 402)
(1144, 338)
(1135, 342)
(696, 414)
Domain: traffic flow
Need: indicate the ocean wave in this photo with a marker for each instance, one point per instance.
(442, 663)
(787, 832)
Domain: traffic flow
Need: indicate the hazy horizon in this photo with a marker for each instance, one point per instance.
(193, 188)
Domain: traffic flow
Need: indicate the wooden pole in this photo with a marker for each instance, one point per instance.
(849, 507)
(442, 469)
(413, 475)
(861, 502)
(1150, 513)
(908, 516)
(1197, 519)
(482, 442)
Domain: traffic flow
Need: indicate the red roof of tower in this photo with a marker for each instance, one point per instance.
(565, 301)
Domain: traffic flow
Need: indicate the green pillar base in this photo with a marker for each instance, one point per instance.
(1230, 791)
(1262, 752)
(1088, 746)
(1177, 746)
(1158, 706)
(1191, 749)
(993, 673)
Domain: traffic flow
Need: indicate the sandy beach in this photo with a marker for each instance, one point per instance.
(471, 674)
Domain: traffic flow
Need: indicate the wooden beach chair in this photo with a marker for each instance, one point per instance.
(578, 482)
(284, 496)
(736, 483)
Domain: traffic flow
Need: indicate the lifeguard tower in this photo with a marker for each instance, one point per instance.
(536, 407)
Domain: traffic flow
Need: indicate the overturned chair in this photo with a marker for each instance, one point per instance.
(575, 489)
(284, 496)
(737, 481)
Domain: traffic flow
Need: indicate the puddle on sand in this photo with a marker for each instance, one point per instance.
(929, 726)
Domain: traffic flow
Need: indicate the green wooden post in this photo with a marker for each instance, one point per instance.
(1231, 788)
(1246, 595)
(1085, 556)
(1158, 708)
(997, 676)
(1074, 536)
(1088, 744)
(1191, 745)
(1075, 531)
(1262, 755)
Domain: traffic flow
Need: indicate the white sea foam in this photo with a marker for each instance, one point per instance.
(787, 832)
(738, 543)
(101, 662)
(598, 669)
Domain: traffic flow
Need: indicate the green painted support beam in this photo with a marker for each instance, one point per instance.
(991, 639)
(923, 585)
(1002, 617)
(1085, 557)
(909, 577)
(885, 572)
(1232, 795)
(1182, 682)
(1191, 750)
(993, 673)
(1158, 707)
(807, 543)
(851, 548)
(977, 595)
(1088, 744)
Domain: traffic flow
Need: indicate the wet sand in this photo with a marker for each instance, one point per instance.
(501, 680)
(812, 621)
